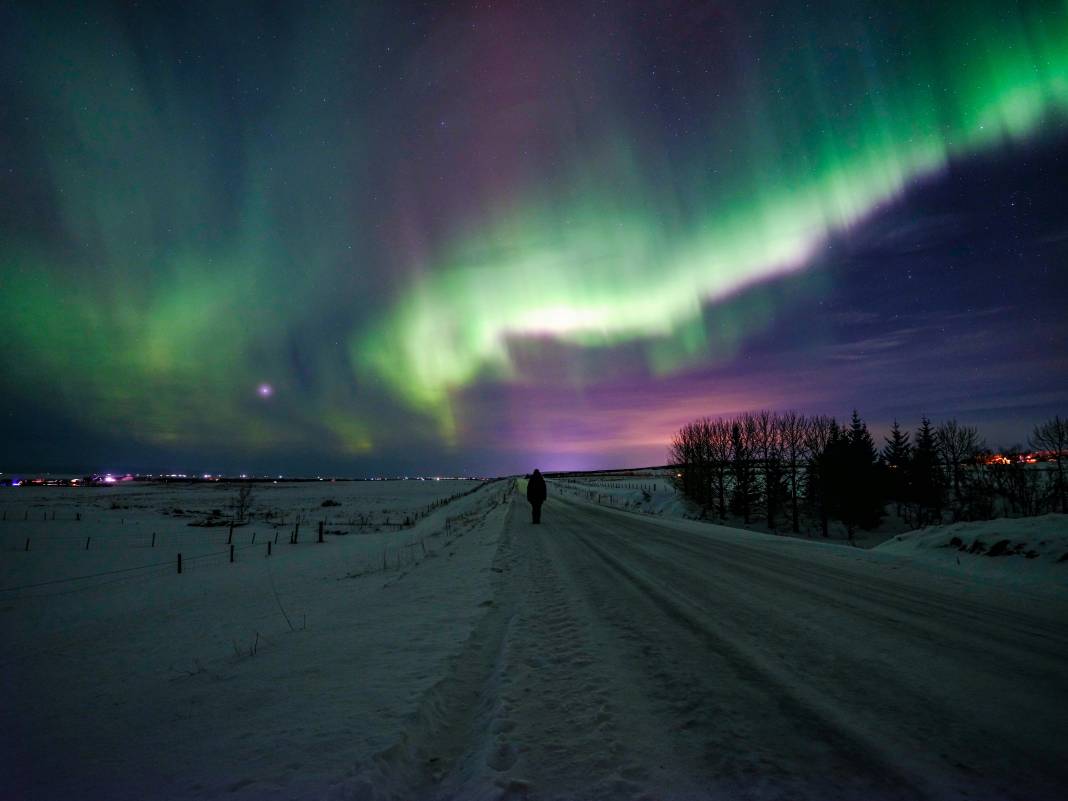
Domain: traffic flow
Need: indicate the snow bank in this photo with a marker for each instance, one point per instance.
(1043, 538)
(1029, 548)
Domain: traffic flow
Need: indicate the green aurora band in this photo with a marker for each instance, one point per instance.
(166, 300)
(599, 266)
(172, 293)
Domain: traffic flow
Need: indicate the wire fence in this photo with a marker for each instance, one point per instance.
(126, 540)
(227, 542)
(36, 537)
(178, 564)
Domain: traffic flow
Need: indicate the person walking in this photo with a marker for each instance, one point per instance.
(536, 494)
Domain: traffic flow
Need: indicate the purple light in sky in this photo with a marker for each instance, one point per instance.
(265, 390)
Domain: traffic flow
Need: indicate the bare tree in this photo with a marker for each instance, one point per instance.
(242, 502)
(1021, 486)
(686, 453)
(1052, 435)
(744, 490)
(819, 433)
(957, 444)
(766, 445)
(720, 453)
(701, 450)
(793, 434)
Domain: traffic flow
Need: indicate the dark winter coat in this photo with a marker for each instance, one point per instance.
(536, 492)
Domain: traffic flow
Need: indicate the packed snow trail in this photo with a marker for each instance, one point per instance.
(625, 657)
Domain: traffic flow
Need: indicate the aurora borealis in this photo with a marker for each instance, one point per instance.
(420, 236)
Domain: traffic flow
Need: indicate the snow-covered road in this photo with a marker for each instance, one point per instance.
(628, 657)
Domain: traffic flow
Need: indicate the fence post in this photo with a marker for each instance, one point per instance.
(320, 531)
(253, 538)
(153, 539)
(231, 553)
(87, 543)
(77, 516)
(296, 533)
(230, 536)
(268, 547)
(27, 543)
(276, 536)
(179, 564)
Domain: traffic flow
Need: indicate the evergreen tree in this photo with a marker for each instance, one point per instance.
(852, 478)
(834, 476)
(822, 431)
(925, 477)
(898, 454)
(776, 489)
(865, 506)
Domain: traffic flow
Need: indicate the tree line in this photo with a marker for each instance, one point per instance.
(784, 467)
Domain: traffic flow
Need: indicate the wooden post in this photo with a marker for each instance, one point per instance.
(27, 543)
(253, 538)
(153, 539)
(276, 536)
(179, 564)
(78, 516)
(230, 536)
(268, 547)
(231, 553)
(296, 533)
(87, 543)
(320, 531)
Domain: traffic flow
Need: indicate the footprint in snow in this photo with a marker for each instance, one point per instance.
(502, 757)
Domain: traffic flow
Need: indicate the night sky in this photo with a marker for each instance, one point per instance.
(482, 237)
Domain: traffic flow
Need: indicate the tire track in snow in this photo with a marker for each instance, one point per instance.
(569, 697)
(751, 733)
(624, 659)
(681, 580)
(870, 598)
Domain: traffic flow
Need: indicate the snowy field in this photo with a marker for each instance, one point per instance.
(80, 531)
(467, 654)
(261, 678)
